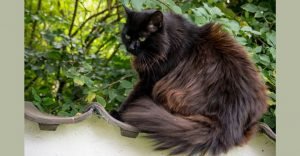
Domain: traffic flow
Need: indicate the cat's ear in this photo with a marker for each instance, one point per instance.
(127, 11)
(155, 21)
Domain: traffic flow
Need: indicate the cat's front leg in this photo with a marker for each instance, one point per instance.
(138, 91)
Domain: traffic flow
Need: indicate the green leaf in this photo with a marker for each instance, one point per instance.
(127, 91)
(264, 59)
(90, 97)
(233, 25)
(249, 29)
(65, 107)
(78, 81)
(241, 40)
(125, 84)
(35, 18)
(200, 12)
(176, 9)
(259, 14)
(120, 98)
(87, 66)
(250, 7)
(36, 96)
(200, 20)
(270, 121)
(137, 4)
(101, 100)
(48, 101)
(217, 11)
(257, 49)
(54, 55)
(273, 52)
(38, 105)
(112, 94)
(271, 38)
(86, 80)
(63, 113)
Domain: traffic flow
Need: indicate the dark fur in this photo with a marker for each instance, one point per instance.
(197, 92)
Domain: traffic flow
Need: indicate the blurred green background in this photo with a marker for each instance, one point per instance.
(74, 55)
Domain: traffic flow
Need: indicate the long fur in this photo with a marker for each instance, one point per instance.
(198, 91)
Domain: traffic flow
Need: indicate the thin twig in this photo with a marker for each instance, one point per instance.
(74, 16)
(89, 18)
(115, 82)
(35, 23)
(95, 28)
(95, 37)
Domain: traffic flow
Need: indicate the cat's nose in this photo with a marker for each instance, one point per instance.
(133, 45)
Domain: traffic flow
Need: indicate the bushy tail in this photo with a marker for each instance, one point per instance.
(191, 134)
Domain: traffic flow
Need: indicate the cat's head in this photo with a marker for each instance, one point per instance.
(143, 32)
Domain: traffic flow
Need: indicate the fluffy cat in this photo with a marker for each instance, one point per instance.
(197, 92)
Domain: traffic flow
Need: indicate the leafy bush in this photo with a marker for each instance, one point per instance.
(73, 53)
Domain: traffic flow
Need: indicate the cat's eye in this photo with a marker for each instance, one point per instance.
(142, 39)
(127, 37)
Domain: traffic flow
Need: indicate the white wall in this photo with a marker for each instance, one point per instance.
(95, 137)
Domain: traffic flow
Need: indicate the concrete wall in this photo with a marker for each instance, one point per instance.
(95, 137)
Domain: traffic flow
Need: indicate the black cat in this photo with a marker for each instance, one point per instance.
(197, 92)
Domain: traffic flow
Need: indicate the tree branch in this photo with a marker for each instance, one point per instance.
(92, 40)
(73, 18)
(91, 17)
(95, 28)
(35, 23)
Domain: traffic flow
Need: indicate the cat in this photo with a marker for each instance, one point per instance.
(198, 91)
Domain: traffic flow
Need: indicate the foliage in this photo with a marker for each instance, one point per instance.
(73, 53)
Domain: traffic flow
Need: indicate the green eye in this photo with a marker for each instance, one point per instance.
(127, 37)
(142, 39)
